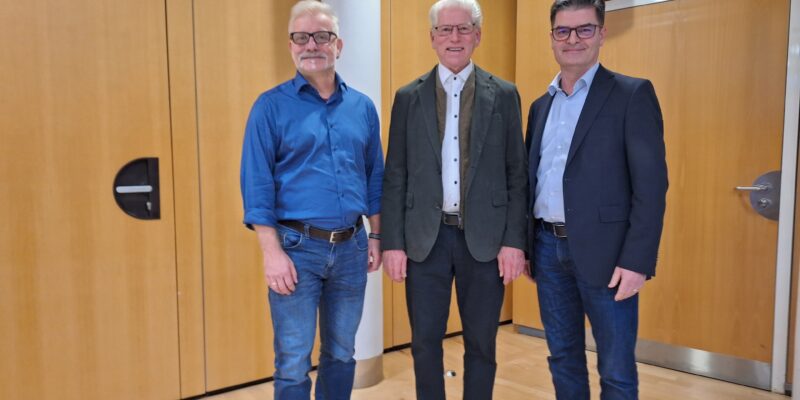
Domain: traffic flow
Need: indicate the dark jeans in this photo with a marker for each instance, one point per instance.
(331, 278)
(479, 292)
(563, 301)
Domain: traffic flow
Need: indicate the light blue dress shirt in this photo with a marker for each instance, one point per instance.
(556, 140)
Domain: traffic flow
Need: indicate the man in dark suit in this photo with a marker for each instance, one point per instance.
(454, 200)
(598, 181)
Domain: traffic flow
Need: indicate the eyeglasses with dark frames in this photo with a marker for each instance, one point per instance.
(320, 37)
(586, 31)
(447, 30)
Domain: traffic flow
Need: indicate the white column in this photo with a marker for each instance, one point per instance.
(360, 67)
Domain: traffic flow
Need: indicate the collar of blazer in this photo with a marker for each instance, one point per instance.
(598, 93)
(425, 95)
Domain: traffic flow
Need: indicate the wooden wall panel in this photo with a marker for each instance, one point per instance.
(188, 245)
(87, 293)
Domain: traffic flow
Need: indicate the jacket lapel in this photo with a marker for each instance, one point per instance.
(481, 118)
(426, 93)
(598, 93)
(538, 129)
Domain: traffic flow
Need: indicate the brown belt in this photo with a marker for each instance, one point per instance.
(339, 235)
(558, 229)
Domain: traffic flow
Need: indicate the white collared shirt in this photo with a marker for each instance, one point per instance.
(451, 156)
(556, 141)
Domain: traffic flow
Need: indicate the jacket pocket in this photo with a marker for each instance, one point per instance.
(409, 200)
(614, 213)
(499, 198)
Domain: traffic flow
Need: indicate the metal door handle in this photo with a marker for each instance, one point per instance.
(134, 189)
(755, 188)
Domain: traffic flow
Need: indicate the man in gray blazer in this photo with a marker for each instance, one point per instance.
(454, 200)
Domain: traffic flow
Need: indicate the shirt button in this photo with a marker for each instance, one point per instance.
(455, 116)
(455, 159)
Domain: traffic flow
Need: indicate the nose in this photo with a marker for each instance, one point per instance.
(573, 37)
(312, 44)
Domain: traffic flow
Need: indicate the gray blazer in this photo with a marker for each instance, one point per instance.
(496, 182)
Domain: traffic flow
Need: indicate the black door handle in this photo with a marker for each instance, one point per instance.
(136, 189)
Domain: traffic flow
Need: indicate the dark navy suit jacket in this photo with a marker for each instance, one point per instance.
(615, 179)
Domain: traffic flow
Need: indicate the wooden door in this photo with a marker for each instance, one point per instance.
(719, 69)
(408, 53)
(87, 293)
(241, 50)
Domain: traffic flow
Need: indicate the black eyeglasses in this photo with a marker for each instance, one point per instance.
(447, 30)
(586, 31)
(321, 37)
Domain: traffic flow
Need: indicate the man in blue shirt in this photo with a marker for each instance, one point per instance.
(312, 165)
(598, 182)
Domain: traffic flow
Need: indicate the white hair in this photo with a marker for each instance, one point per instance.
(471, 6)
(314, 7)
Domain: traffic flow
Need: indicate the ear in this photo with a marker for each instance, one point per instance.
(602, 33)
(477, 37)
(339, 46)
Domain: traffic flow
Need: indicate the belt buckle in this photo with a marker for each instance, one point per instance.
(335, 235)
(556, 230)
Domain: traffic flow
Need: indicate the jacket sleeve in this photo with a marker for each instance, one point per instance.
(516, 176)
(646, 156)
(395, 178)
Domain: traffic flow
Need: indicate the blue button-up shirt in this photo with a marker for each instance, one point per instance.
(312, 160)
(556, 140)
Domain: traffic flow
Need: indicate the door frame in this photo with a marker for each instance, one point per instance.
(786, 221)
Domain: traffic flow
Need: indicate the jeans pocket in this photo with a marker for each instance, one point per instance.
(290, 239)
(362, 243)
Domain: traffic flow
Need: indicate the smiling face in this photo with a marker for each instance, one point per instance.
(455, 50)
(312, 58)
(574, 54)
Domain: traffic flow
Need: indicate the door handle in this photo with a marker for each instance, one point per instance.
(755, 188)
(136, 189)
(765, 194)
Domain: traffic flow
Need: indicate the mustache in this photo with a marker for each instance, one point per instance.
(309, 54)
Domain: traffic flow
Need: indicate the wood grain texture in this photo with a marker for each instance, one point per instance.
(87, 293)
(188, 237)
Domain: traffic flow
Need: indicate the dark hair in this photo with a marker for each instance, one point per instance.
(560, 5)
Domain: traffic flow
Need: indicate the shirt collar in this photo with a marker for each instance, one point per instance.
(584, 81)
(301, 83)
(445, 73)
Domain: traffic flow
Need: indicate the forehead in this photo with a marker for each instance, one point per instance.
(576, 16)
(312, 23)
(454, 16)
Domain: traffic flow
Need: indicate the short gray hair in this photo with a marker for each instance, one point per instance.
(471, 6)
(313, 7)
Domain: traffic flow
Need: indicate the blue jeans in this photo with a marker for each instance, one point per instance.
(331, 277)
(563, 300)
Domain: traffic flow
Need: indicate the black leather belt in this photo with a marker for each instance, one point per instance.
(451, 219)
(339, 235)
(558, 229)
